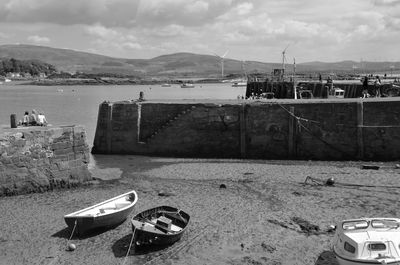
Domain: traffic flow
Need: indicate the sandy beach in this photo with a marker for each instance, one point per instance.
(265, 215)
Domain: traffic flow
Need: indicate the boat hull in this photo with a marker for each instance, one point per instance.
(345, 261)
(82, 223)
(146, 236)
(86, 223)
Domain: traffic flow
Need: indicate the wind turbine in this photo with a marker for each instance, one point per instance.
(284, 57)
(222, 62)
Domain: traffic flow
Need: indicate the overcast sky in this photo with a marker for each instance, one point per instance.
(315, 30)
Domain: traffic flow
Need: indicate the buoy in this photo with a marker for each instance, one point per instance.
(71, 247)
(330, 181)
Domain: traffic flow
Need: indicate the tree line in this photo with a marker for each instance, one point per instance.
(33, 67)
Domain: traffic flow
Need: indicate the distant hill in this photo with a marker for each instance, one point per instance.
(174, 65)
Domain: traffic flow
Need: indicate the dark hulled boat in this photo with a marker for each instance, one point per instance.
(159, 226)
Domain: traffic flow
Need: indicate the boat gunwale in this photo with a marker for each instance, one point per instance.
(162, 207)
(75, 214)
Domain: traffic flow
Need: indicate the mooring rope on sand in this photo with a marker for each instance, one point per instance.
(184, 245)
(59, 251)
(130, 246)
(73, 230)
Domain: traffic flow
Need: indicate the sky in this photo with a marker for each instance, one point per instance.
(257, 30)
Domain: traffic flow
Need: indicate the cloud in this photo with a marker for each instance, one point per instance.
(38, 39)
(107, 12)
(387, 2)
(107, 38)
(181, 12)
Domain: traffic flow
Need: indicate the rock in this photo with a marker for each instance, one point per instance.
(166, 194)
(222, 186)
(267, 247)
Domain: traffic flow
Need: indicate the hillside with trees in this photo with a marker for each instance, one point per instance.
(23, 67)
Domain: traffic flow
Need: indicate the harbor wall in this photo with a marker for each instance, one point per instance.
(38, 159)
(346, 129)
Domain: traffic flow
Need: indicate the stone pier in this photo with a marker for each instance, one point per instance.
(37, 159)
(316, 129)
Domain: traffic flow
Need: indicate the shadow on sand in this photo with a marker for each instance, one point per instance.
(121, 246)
(66, 232)
(326, 258)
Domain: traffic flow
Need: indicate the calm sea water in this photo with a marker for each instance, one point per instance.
(67, 105)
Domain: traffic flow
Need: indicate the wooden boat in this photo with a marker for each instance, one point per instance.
(367, 241)
(159, 226)
(105, 214)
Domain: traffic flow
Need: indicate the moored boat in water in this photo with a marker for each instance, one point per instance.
(108, 213)
(159, 226)
(239, 84)
(187, 85)
(367, 241)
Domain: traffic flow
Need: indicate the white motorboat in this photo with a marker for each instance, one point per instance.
(187, 85)
(238, 84)
(336, 93)
(367, 241)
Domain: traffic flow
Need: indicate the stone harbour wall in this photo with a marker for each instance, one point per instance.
(318, 129)
(38, 159)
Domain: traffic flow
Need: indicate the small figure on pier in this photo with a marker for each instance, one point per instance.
(377, 85)
(365, 87)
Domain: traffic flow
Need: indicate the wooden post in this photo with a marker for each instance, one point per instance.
(109, 127)
(360, 124)
(13, 120)
(292, 135)
(242, 120)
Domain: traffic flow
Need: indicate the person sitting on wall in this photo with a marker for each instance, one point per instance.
(33, 118)
(42, 119)
(25, 119)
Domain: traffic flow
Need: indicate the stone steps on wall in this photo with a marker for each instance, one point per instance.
(168, 124)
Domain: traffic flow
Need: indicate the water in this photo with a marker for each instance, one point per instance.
(67, 105)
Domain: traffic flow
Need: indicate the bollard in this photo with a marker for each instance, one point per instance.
(141, 96)
(13, 120)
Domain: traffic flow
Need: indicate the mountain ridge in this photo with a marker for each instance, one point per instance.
(176, 64)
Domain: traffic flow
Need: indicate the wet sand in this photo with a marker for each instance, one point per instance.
(255, 220)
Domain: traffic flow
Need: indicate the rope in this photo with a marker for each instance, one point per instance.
(130, 245)
(59, 251)
(299, 119)
(73, 230)
(193, 239)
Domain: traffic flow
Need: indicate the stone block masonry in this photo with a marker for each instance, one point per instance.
(37, 159)
(317, 129)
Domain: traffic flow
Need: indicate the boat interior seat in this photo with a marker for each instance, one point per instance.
(120, 205)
